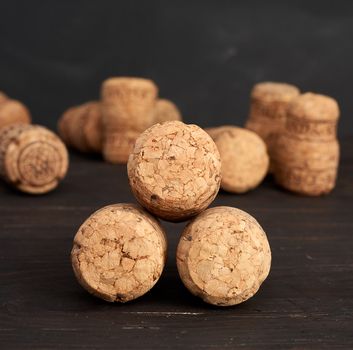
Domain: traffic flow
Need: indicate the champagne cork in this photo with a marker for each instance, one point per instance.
(127, 104)
(13, 112)
(32, 158)
(174, 170)
(119, 253)
(80, 127)
(244, 158)
(165, 111)
(223, 256)
(307, 154)
(268, 105)
(3, 97)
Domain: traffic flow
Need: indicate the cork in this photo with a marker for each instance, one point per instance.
(223, 256)
(268, 105)
(127, 104)
(32, 158)
(165, 110)
(174, 170)
(3, 97)
(119, 253)
(80, 127)
(306, 156)
(13, 112)
(244, 158)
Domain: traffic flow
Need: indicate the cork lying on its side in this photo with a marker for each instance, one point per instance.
(32, 158)
(165, 111)
(80, 127)
(119, 253)
(223, 256)
(307, 154)
(244, 158)
(127, 104)
(12, 112)
(174, 170)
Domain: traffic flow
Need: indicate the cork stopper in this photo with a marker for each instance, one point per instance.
(32, 158)
(174, 170)
(313, 116)
(274, 92)
(223, 256)
(3, 97)
(119, 253)
(80, 127)
(244, 158)
(166, 110)
(13, 112)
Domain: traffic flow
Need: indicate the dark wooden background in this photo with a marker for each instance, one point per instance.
(307, 301)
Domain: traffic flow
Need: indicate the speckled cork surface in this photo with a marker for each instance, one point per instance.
(165, 110)
(306, 156)
(223, 256)
(174, 170)
(12, 112)
(244, 158)
(32, 158)
(119, 253)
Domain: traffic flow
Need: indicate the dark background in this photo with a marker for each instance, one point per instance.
(204, 55)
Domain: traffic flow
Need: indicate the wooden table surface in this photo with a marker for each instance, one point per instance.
(306, 302)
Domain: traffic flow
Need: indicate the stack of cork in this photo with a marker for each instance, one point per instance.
(175, 173)
(111, 126)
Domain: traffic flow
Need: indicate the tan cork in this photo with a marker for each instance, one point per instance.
(13, 112)
(165, 110)
(3, 97)
(127, 104)
(244, 158)
(223, 256)
(80, 127)
(174, 170)
(119, 253)
(32, 158)
(307, 153)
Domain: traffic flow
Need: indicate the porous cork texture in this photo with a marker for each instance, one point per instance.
(32, 158)
(13, 112)
(165, 110)
(306, 156)
(268, 106)
(119, 253)
(127, 104)
(223, 256)
(174, 170)
(80, 127)
(244, 158)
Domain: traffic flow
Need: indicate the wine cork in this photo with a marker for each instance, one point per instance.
(223, 256)
(307, 154)
(32, 158)
(166, 110)
(80, 127)
(13, 112)
(3, 97)
(127, 104)
(119, 253)
(268, 105)
(244, 158)
(174, 170)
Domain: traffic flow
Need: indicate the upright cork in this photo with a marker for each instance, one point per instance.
(127, 105)
(12, 112)
(223, 256)
(268, 105)
(80, 127)
(244, 158)
(32, 158)
(165, 110)
(119, 253)
(174, 170)
(307, 154)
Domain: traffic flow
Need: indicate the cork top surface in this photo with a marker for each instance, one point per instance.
(136, 84)
(119, 252)
(166, 110)
(223, 256)
(274, 91)
(244, 158)
(174, 170)
(314, 107)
